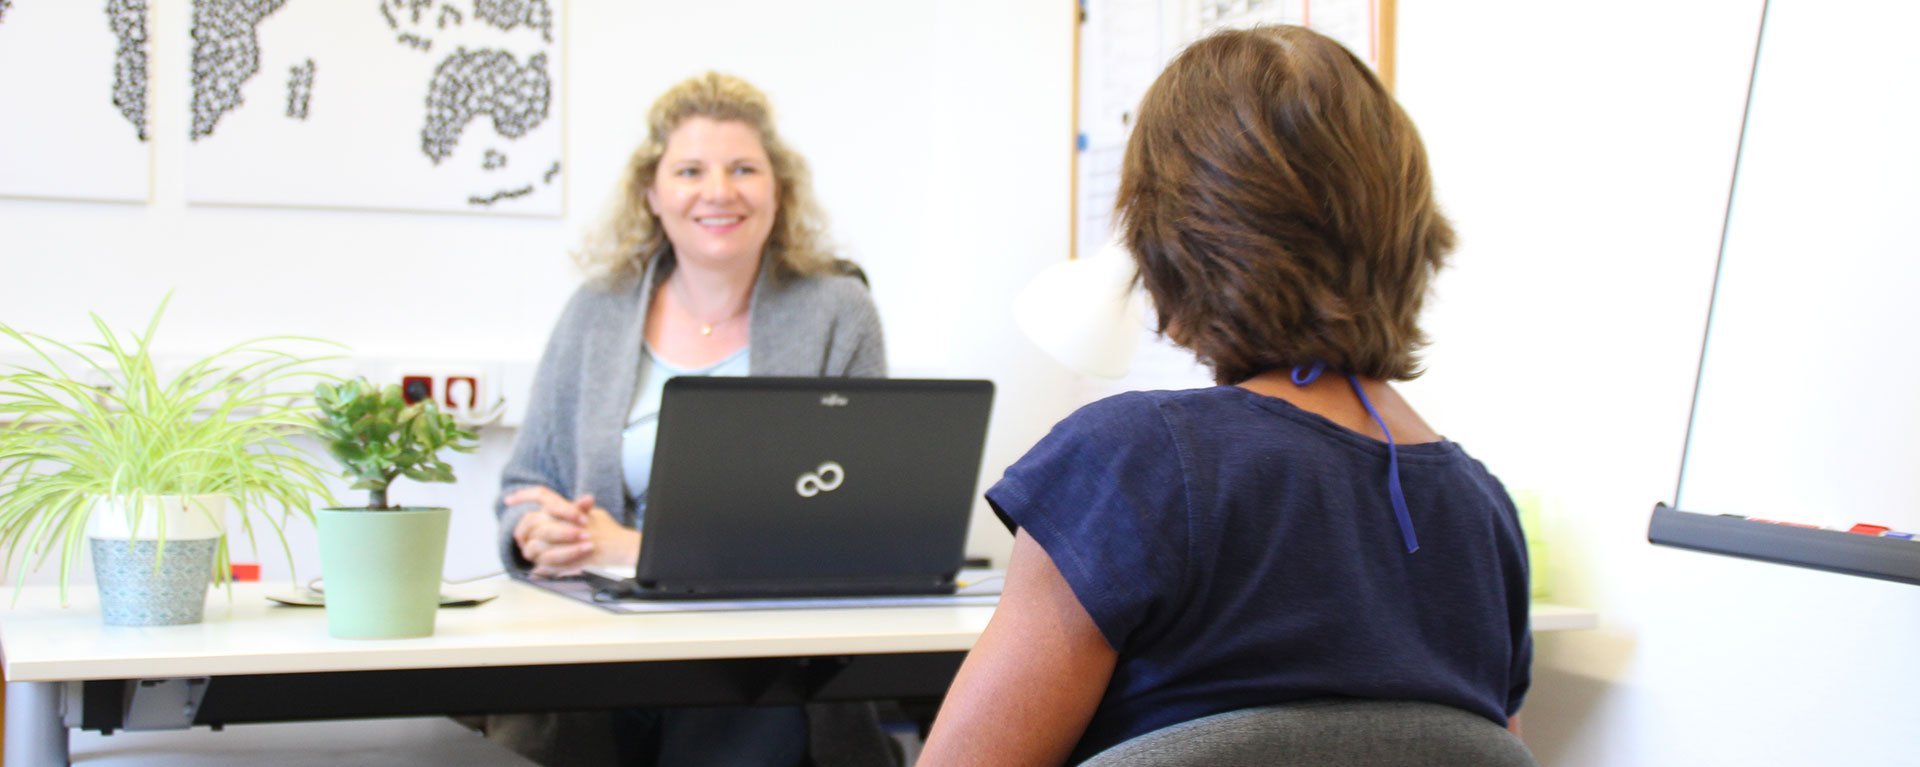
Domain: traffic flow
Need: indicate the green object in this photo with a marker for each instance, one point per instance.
(381, 563)
(382, 570)
(96, 422)
(378, 437)
(1531, 508)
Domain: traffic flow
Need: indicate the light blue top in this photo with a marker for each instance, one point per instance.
(643, 421)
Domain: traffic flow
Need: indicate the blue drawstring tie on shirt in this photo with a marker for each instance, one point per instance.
(1303, 375)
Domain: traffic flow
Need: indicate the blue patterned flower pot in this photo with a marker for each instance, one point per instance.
(143, 581)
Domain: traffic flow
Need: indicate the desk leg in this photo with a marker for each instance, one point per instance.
(36, 731)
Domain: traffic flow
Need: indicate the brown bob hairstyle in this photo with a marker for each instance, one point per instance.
(1278, 205)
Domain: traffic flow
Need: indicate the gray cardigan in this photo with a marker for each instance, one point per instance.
(823, 325)
(820, 325)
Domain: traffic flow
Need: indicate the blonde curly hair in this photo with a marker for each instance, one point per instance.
(631, 237)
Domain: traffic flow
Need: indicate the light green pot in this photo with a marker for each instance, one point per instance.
(381, 570)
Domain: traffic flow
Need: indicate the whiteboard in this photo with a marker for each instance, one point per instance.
(1807, 406)
(73, 89)
(427, 105)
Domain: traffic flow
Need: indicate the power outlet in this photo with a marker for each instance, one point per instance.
(462, 389)
(415, 387)
(473, 391)
(460, 392)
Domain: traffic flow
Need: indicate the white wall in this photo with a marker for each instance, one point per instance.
(939, 134)
(1584, 154)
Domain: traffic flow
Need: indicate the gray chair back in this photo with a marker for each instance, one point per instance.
(1374, 733)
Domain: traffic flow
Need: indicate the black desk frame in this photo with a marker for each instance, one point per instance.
(242, 699)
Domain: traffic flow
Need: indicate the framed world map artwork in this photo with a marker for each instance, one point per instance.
(73, 96)
(425, 105)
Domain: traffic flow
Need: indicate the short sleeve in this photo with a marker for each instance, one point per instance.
(1516, 570)
(1105, 495)
(1521, 675)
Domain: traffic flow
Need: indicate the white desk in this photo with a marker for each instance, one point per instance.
(528, 650)
(525, 626)
(1552, 617)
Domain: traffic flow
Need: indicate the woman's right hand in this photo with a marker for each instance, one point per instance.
(553, 536)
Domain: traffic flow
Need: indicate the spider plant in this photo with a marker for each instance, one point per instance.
(85, 421)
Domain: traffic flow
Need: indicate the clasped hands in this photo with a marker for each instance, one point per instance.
(562, 536)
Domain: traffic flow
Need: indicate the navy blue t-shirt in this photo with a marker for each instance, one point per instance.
(1238, 551)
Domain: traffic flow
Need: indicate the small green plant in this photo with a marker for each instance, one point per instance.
(106, 424)
(378, 437)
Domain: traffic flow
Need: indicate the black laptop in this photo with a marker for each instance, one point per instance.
(809, 487)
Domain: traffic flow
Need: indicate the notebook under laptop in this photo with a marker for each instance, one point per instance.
(810, 487)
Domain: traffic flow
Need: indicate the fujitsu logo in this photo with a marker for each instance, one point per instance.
(824, 479)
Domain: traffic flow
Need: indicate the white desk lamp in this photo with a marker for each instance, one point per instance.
(1085, 313)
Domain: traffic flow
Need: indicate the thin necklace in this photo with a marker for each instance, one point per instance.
(706, 328)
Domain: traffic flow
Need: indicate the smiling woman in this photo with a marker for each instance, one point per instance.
(712, 263)
(634, 236)
(714, 193)
(715, 198)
